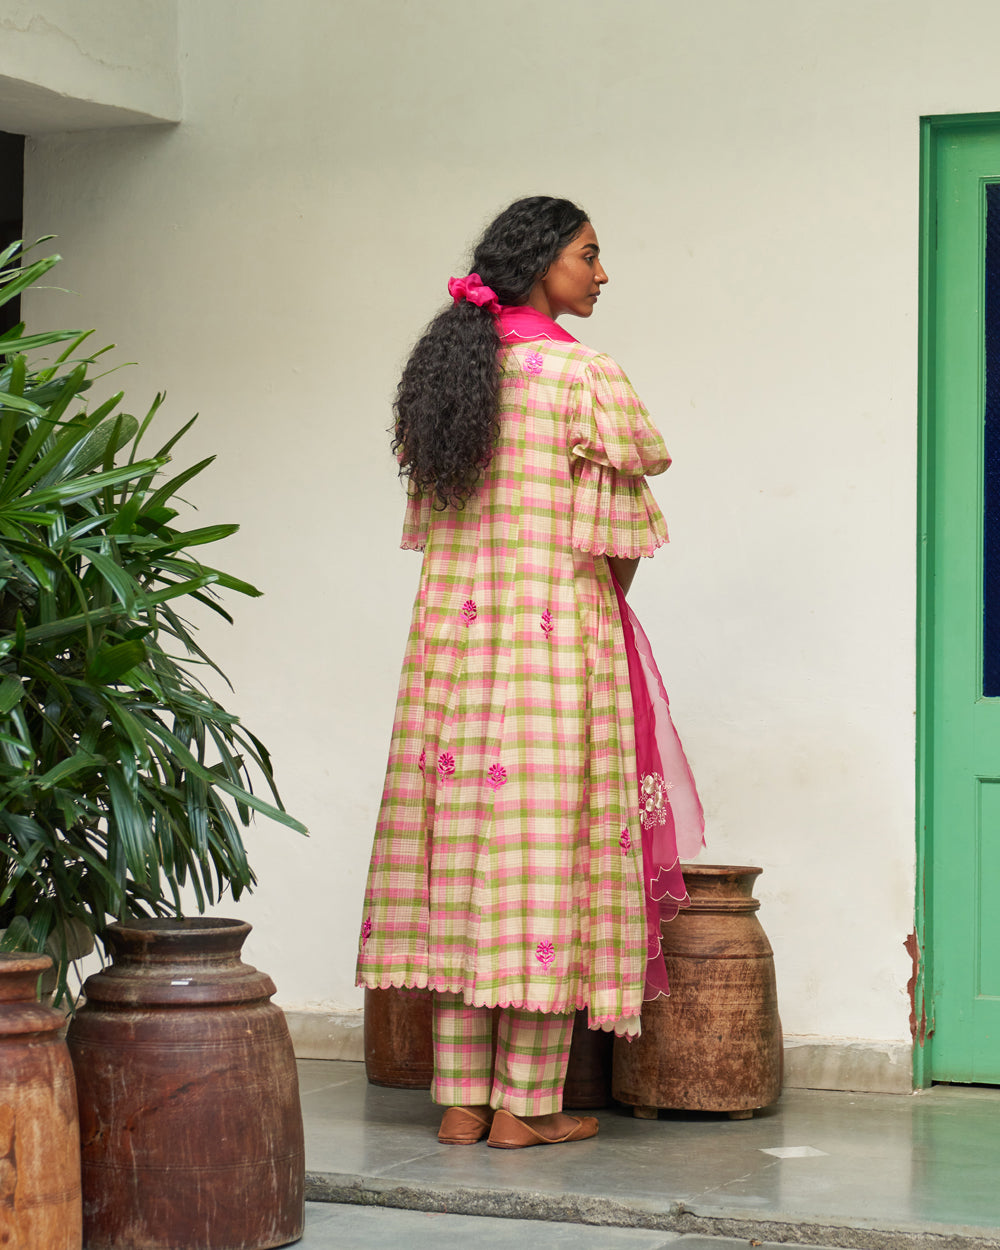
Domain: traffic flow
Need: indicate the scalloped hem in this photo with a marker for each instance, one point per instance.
(630, 553)
(412, 546)
(621, 1026)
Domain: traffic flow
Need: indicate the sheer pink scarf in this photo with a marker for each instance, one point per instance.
(671, 816)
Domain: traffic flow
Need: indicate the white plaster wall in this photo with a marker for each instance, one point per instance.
(76, 64)
(752, 173)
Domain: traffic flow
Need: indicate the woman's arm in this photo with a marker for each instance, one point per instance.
(623, 570)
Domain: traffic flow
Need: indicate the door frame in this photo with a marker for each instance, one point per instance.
(934, 131)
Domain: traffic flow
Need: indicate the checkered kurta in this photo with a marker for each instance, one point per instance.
(506, 864)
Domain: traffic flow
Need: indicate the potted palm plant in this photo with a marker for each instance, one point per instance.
(124, 786)
(122, 779)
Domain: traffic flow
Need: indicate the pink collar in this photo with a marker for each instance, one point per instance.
(519, 323)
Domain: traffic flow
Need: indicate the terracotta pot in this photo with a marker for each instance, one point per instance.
(39, 1130)
(398, 1046)
(76, 939)
(190, 1120)
(715, 1044)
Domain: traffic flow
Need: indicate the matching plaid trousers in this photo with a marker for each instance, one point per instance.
(527, 1072)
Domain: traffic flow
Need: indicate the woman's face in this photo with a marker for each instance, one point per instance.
(573, 281)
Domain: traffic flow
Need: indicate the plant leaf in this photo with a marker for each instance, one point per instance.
(13, 287)
(11, 693)
(110, 664)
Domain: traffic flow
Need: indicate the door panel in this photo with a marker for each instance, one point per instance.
(988, 863)
(962, 507)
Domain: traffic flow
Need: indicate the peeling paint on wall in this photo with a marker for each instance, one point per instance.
(913, 949)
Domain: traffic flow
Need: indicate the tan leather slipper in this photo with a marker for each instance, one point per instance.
(509, 1132)
(463, 1126)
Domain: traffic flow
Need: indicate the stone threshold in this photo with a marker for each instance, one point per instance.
(673, 1217)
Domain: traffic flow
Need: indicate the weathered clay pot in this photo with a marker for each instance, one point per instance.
(398, 1045)
(71, 936)
(715, 1044)
(39, 1131)
(588, 1074)
(191, 1127)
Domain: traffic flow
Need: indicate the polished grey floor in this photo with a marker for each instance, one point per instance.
(864, 1170)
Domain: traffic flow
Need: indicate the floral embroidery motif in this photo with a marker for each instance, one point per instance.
(653, 800)
(366, 931)
(423, 759)
(446, 764)
(625, 842)
(496, 776)
(533, 363)
(547, 626)
(545, 953)
(469, 611)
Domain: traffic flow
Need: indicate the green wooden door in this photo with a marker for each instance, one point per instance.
(960, 715)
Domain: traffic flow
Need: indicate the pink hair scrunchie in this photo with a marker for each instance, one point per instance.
(473, 289)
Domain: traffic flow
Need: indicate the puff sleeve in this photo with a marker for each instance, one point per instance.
(613, 445)
(415, 522)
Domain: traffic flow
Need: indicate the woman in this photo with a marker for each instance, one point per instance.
(507, 869)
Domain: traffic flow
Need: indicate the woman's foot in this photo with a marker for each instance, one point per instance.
(512, 1132)
(463, 1126)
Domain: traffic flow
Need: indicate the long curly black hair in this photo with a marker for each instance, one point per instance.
(446, 403)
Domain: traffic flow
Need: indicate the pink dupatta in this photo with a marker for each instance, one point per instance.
(670, 811)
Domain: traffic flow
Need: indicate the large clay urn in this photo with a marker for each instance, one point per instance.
(39, 1132)
(588, 1072)
(715, 1043)
(398, 1045)
(191, 1128)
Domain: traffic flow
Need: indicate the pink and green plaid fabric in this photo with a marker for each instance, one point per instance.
(532, 1055)
(501, 868)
